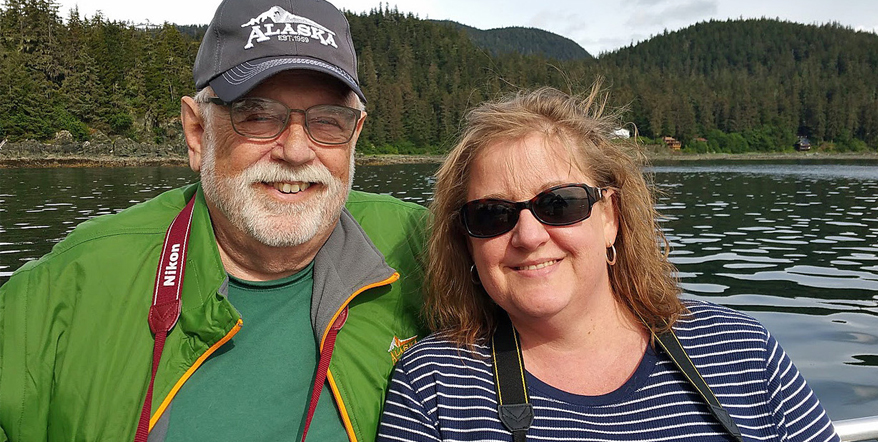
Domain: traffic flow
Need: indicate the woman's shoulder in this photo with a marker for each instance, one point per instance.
(437, 352)
(727, 346)
(707, 321)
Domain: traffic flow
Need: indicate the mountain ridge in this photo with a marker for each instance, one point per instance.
(524, 41)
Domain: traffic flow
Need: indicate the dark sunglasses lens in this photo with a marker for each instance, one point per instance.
(488, 218)
(562, 206)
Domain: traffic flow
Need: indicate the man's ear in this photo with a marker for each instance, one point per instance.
(193, 131)
(358, 129)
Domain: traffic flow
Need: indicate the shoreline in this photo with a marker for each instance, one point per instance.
(62, 160)
(52, 161)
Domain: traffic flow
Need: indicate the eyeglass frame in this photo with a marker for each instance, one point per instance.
(220, 102)
(595, 195)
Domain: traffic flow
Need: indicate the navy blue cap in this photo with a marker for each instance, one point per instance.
(250, 40)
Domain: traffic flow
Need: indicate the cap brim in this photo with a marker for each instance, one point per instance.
(239, 80)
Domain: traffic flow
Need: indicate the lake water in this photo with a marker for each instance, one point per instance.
(794, 244)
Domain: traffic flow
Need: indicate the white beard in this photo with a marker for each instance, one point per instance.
(268, 221)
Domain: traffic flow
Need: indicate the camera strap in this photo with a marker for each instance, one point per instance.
(165, 309)
(516, 411)
(513, 404)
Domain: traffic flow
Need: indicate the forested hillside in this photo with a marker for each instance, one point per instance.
(526, 41)
(768, 80)
(741, 85)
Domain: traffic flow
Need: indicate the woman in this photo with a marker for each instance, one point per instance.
(539, 218)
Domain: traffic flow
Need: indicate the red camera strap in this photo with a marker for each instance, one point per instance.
(165, 309)
(323, 367)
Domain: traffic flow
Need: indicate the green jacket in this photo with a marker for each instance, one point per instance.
(75, 346)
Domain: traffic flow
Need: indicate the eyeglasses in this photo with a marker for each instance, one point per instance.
(264, 118)
(557, 206)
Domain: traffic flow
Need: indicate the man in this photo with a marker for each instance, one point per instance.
(262, 268)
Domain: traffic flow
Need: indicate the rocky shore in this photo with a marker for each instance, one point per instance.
(125, 152)
(102, 153)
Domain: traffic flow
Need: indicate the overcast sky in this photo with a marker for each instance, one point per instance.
(598, 26)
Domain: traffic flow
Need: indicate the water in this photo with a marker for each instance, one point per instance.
(793, 244)
(796, 246)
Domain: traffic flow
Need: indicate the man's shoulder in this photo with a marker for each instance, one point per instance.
(366, 201)
(389, 221)
(153, 215)
(148, 220)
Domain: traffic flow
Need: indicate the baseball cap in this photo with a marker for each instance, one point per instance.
(250, 40)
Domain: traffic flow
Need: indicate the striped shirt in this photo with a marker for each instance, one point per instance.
(442, 392)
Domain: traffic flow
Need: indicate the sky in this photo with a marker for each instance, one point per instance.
(598, 26)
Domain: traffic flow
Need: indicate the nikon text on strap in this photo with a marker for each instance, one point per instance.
(515, 410)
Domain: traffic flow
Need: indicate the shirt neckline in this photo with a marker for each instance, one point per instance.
(635, 382)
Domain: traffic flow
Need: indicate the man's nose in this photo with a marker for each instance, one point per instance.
(294, 145)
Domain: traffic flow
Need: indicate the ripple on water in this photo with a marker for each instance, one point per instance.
(864, 256)
(845, 238)
(703, 288)
(747, 265)
(756, 228)
(839, 262)
(823, 241)
(792, 242)
(857, 337)
(849, 280)
(728, 257)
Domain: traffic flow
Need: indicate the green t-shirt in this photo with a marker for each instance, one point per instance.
(257, 386)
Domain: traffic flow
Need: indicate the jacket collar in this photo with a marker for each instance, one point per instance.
(346, 264)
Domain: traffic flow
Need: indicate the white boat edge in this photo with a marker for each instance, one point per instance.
(857, 430)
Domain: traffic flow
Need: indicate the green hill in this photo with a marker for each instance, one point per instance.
(752, 75)
(524, 41)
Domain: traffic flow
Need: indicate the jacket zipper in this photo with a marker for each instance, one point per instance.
(345, 418)
(167, 401)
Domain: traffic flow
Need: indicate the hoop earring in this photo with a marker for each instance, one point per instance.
(474, 275)
(611, 251)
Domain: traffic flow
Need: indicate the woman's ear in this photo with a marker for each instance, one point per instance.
(610, 216)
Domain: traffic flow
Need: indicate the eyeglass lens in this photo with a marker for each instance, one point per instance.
(558, 206)
(264, 118)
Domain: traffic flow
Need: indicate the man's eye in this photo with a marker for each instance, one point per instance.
(260, 117)
(324, 122)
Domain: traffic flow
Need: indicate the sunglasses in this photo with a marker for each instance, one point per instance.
(557, 206)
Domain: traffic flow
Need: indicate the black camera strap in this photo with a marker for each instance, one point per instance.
(513, 404)
(516, 411)
(671, 345)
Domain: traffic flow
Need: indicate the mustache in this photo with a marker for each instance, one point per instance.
(273, 172)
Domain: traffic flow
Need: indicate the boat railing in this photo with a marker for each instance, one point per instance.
(857, 430)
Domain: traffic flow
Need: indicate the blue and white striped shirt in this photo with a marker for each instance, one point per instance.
(442, 392)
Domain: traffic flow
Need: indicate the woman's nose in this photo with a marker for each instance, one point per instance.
(529, 232)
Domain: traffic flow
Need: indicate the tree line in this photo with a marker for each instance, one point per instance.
(725, 86)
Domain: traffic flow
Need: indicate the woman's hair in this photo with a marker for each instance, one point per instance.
(642, 279)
